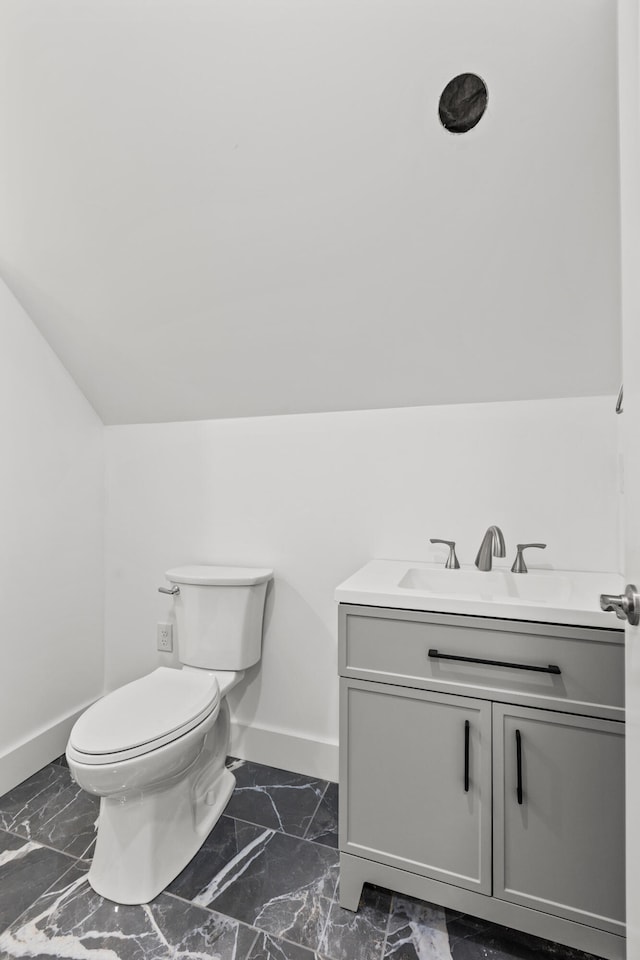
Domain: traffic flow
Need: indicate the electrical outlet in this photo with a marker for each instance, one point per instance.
(165, 637)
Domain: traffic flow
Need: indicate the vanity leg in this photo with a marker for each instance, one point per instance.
(351, 882)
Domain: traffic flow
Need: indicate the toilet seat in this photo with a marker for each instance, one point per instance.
(144, 715)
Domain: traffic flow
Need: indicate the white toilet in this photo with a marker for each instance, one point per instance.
(155, 749)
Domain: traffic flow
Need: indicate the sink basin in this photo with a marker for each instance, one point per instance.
(546, 596)
(491, 585)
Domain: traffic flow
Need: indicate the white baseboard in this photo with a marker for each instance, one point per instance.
(315, 758)
(36, 752)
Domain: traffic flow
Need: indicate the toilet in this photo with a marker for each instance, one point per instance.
(154, 751)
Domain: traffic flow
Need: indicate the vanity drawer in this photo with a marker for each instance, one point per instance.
(394, 646)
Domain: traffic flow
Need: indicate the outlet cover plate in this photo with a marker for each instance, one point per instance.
(165, 637)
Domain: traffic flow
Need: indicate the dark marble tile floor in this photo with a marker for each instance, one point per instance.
(262, 887)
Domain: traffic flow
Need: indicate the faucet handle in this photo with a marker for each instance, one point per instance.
(452, 560)
(519, 566)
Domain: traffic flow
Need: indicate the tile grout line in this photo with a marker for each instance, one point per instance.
(46, 846)
(250, 823)
(259, 931)
(293, 836)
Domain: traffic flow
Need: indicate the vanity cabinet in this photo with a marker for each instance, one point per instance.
(482, 768)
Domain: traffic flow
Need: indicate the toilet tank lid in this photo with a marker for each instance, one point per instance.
(213, 575)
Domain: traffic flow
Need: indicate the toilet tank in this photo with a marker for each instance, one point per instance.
(219, 613)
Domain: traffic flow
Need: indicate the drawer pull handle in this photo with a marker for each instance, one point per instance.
(552, 668)
(467, 727)
(519, 766)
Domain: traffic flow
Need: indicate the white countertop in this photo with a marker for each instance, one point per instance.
(541, 595)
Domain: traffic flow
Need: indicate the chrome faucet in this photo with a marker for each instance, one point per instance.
(492, 545)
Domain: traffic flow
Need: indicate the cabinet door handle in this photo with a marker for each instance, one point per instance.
(519, 765)
(552, 668)
(467, 732)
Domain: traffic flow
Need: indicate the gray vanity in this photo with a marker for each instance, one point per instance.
(482, 767)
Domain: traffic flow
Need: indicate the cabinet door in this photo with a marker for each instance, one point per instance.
(559, 839)
(415, 776)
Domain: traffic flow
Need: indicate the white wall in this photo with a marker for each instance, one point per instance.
(51, 548)
(218, 208)
(316, 496)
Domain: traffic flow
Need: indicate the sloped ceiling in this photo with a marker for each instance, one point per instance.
(220, 208)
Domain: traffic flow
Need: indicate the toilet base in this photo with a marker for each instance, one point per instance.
(147, 838)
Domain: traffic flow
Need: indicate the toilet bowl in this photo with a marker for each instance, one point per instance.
(154, 752)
